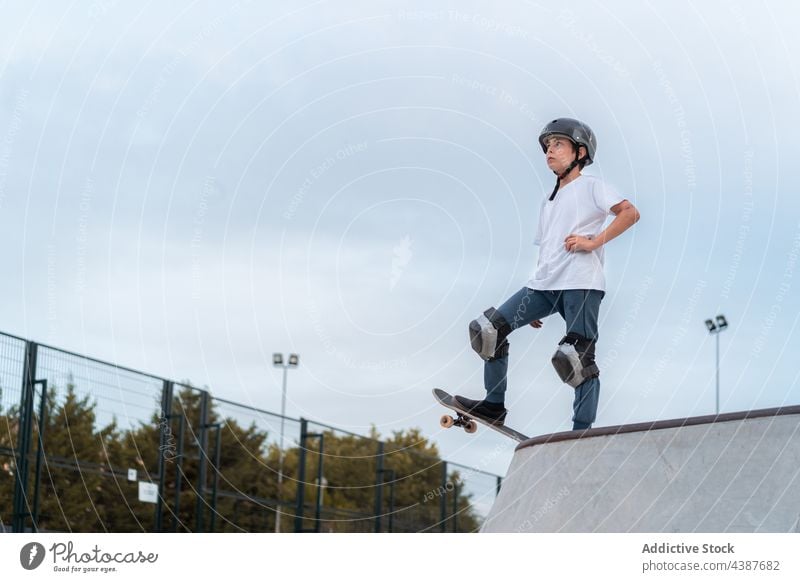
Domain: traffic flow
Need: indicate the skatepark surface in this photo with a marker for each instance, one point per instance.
(737, 472)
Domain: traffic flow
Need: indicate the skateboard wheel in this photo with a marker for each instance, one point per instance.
(471, 426)
(446, 421)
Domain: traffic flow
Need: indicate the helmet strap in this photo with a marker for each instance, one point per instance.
(566, 172)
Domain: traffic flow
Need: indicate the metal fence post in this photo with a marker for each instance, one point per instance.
(455, 505)
(378, 487)
(176, 510)
(21, 504)
(318, 511)
(301, 478)
(202, 445)
(443, 497)
(215, 481)
(165, 427)
(392, 480)
(42, 424)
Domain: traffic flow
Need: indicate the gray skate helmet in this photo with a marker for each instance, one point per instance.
(578, 133)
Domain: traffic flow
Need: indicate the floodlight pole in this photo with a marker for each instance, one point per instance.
(717, 334)
(715, 328)
(279, 363)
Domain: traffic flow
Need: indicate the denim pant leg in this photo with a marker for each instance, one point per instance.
(580, 309)
(525, 306)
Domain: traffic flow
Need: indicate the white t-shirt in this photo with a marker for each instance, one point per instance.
(581, 207)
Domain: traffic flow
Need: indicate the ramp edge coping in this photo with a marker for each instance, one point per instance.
(656, 425)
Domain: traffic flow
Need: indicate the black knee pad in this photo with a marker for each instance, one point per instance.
(574, 359)
(488, 334)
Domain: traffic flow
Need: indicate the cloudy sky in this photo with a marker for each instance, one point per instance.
(190, 187)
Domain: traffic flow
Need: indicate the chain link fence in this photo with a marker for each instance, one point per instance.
(89, 446)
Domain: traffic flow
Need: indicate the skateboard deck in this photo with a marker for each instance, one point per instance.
(467, 420)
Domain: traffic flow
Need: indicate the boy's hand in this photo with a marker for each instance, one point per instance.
(537, 324)
(575, 243)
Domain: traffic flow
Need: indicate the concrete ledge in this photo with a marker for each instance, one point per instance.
(656, 425)
(737, 472)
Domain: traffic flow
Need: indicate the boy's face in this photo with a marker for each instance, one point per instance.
(560, 152)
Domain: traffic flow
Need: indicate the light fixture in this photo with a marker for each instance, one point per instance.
(716, 329)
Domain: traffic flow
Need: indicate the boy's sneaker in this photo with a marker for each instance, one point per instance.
(488, 411)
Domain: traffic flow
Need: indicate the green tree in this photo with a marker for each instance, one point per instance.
(119, 451)
(246, 476)
(71, 473)
(411, 492)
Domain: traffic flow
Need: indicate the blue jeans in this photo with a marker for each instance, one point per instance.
(579, 308)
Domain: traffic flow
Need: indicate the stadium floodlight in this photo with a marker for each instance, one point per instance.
(715, 329)
(277, 361)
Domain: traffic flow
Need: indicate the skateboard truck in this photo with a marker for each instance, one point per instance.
(469, 425)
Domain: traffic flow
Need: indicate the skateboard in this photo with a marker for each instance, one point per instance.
(469, 421)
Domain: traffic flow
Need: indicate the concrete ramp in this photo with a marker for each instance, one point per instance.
(736, 472)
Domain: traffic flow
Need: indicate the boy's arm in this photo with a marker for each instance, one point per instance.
(626, 216)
